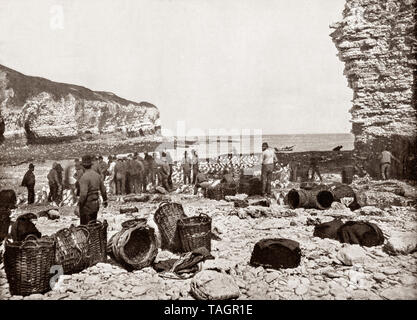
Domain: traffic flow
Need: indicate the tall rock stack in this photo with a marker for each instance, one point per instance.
(377, 42)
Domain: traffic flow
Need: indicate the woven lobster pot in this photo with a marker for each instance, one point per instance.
(166, 217)
(216, 193)
(28, 265)
(195, 232)
(4, 222)
(134, 247)
(230, 190)
(97, 241)
(72, 248)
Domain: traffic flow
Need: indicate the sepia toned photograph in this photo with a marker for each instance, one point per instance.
(207, 151)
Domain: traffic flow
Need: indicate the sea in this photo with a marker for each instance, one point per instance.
(214, 146)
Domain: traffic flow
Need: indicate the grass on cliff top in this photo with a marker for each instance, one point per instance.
(25, 87)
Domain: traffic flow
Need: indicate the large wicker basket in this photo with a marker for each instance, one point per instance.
(28, 265)
(230, 190)
(4, 222)
(195, 232)
(97, 241)
(134, 247)
(72, 248)
(216, 193)
(166, 218)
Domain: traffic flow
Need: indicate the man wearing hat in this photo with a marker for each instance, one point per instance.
(54, 184)
(269, 159)
(91, 185)
(29, 182)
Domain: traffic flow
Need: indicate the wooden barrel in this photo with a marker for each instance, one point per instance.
(347, 174)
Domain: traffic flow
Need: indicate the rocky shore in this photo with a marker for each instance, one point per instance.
(328, 269)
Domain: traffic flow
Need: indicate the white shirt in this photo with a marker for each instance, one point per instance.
(268, 156)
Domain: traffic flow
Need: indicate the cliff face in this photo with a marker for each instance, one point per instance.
(38, 110)
(377, 42)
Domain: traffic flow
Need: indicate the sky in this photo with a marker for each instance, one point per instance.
(265, 65)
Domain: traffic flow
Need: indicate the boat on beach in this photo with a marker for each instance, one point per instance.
(285, 149)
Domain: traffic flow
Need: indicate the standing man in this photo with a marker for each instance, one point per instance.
(171, 168)
(60, 192)
(29, 182)
(120, 177)
(91, 185)
(79, 171)
(135, 170)
(186, 168)
(110, 178)
(194, 162)
(103, 167)
(269, 159)
(151, 168)
(53, 182)
(314, 166)
(163, 172)
(385, 163)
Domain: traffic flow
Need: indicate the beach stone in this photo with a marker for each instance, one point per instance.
(401, 243)
(370, 211)
(161, 190)
(400, 293)
(408, 280)
(301, 290)
(220, 264)
(293, 283)
(351, 255)
(271, 276)
(380, 277)
(331, 274)
(212, 285)
(390, 270)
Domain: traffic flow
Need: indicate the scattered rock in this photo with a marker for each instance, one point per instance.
(400, 293)
(212, 285)
(352, 254)
(401, 243)
(370, 211)
(301, 290)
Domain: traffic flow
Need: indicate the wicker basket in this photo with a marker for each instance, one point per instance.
(230, 190)
(97, 241)
(28, 265)
(195, 232)
(72, 249)
(134, 247)
(4, 222)
(216, 193)
(166, 218)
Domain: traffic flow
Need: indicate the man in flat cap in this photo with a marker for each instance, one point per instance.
(91, 185)
(29, 182)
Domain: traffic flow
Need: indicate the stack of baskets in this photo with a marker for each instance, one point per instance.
(72, 248)
(166, 217)
(134, 247)
(97, 242)
(28, 265)
(195, 232)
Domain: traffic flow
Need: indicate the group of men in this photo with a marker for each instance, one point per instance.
(190, 165)
(133, 173)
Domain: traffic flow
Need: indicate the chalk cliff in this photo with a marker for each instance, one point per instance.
(36, 110)
(377, 42)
